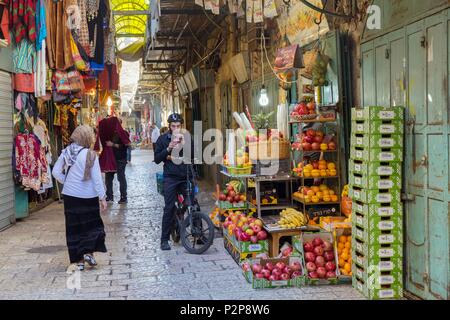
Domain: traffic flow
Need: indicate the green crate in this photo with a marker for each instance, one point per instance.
(378, 113)
(377, 154)
(374, 196)
(377, 250)
(394, 291)
(376, 277)
(375, 168)
(376, 236)
(225, 205)
(248, 247)
(375, 222)
(377, 127)
(377, 141)
(383, 264)
(375, 182)
(381, 210)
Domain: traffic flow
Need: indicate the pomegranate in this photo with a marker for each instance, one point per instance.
(313, 275)
(318, 139)
(257, 268)
(310, 257)
(246, 266)
(276, 272)
(329, 256)
(308, 139)
(254, 239)
(317, 241)
(327, 246)
(308, 247)
(273, 278)
(262, 235)
(330, 266)
(270, 266)
(318, 251)
(315, 146)
(296, 266)
(259, 276)
(320, 261)
(331, 274)
(310, 132)
(296, 274)
(266, 273)
(321, 272)
(280, 265)
(284, 276)
(287, 270)
(332, 146)
(310, 266)
(306, 146)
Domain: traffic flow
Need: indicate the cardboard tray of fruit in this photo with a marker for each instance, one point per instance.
(318, 257)
(274, 273)
(343, 249)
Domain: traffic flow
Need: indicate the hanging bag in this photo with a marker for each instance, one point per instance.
(78, 60)
(75, 80)
(62, 82)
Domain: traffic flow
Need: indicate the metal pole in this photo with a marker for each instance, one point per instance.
(173, 92)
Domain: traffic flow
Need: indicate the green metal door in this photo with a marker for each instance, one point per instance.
(410, 67)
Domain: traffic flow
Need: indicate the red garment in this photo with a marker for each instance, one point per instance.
(4, 21)
(23, 19)
(109, 78)
(24, 82)
(31, 161)
(106, 130)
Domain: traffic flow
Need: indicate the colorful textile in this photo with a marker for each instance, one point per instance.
(109, 78)
(24, 57)
(24, 82)
(107, 128)
(31, 162)
(23, 19)
(41, 27)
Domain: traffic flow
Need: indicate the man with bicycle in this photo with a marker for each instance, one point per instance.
(175, 172)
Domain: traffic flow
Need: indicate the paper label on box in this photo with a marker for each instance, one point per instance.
(387, 128)
(359, 154)
(387, 293)
(386, 253)
(386, 238)
(386, 280)
(386, 266)
(279, 283)
(359, 220)
(359, 247)
(385, 184)
(360, 260)
(387, 211)
(384, 197)
(385, 171)
(359, 114)
(359, 233)
(386, 225)
(360, 286)
(360, 127)
(357, 194)
(358, 180)
(357, 167)
(385, 142)
(360, 207)
(386, 156)
(386, 115)
(254, 247)
(359, 273)
(359, 140)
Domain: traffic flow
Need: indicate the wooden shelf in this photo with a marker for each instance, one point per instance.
(313, 151)
(312, 121)
(327, 177)
(237, 176)
(267, 207)
(314, 204)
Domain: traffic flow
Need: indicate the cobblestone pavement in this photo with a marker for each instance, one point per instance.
(34, 260)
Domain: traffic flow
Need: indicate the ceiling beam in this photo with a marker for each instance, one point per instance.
(161, 61)
(131, 12)
(130, 35)
(170, 48)
(188, 11)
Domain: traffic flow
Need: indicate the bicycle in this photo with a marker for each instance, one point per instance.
(191, 226)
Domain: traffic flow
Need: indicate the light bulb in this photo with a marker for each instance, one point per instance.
(263, 98)
(109, 102)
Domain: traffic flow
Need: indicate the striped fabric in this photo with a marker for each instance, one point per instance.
(23, 19)
(24, 57)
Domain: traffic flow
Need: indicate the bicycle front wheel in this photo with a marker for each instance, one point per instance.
(197, 233)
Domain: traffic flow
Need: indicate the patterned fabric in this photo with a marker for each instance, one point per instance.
(41, 28)
(24, 57)
(31, 161)
(83, 32)
(23, 22)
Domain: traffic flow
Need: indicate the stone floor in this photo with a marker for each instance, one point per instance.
(34, 260)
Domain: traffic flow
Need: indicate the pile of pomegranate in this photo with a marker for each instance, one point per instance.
(320, 259)
(274, 272)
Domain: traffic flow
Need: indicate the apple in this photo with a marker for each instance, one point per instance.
(270, 266)
(318, 139)
(331, 274)
(284, 276)
(256, 228)
(309, 139)
(262, 235)
(329, 256)
(250, 232)
(229, 199)
(306, 146)
(245, 236)
(232, 193)
(308, 247)
(318, 251)
(237, 198)
(310, 257)
(313, 275)
(332, 146)
(296, 266)
(330, 266)
(257, 268)
(276, 272)
(280, 265)
(246, 266)
(320, 261)
(287, 270)
(310, 132)
(317, 241)
(273, 278)
(321, 272)
(222, 197)
(259, 276)
(315, 146)
(266, 273)
(310, 266)
(296, 274)
(315, 164)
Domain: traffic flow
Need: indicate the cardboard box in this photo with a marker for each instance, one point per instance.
(394, 291)
(337, 232)
(377, 250)
(375, 168)
(331, 223)
(263, 283)
(376, 154)
(248, 247)
(378, 237)
(376, 277)
(376, 182)
(374, 196)
(381, 210)
(377, 127)
(378, 113)
(308, 237)
(234, 252)
(383, 264)
(375, 222)
(377, 141)
(225, 205)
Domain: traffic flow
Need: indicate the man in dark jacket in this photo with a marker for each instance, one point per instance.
(175, 172)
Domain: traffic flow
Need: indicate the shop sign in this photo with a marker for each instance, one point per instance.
(288, 58)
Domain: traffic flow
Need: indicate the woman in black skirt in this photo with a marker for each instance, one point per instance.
(78, 169)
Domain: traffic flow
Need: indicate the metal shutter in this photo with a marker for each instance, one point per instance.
(7, 214)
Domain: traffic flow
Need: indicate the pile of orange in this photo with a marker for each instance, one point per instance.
(316, 194)
(325, 169)
(345, 255)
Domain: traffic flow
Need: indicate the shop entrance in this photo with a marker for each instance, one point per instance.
(410, 67)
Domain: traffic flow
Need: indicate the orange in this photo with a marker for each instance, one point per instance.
(341, 246)
(307, 174)
(322, 166)
(319, 195)
(341, 262)
(323, 147)
(323, 173)
(315, 173)
(310, 193)
(343, 239)
(331, 192)
(344, 272)
(331, 166)
(334, 198)
(326, 199)
(339, 251)
(333, 173)
(315, 188)
(307, 199)
(348, 245)
(315, 199)
(348, 267)
(322, 162)
(309, 167)
(323, 187)
(326, 192)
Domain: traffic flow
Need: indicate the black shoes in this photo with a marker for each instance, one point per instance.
(165, 246)
(109, 199)
(90, 260)
(123, 201)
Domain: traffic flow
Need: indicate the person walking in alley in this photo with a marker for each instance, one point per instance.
(155, 136)
(113, 158)
(174, 174)
(78, 169)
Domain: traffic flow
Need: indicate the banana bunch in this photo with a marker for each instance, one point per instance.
(237, 185)
(345, 191)
(291, 218)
